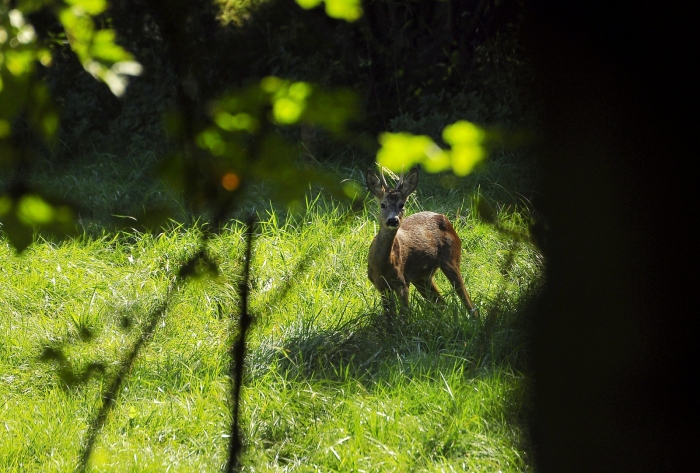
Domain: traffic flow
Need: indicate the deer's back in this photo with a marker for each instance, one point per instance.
(427, 229)
(425, 240)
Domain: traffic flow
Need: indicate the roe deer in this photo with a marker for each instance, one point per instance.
(409, 250)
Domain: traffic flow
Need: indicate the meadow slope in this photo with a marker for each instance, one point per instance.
(329, 384)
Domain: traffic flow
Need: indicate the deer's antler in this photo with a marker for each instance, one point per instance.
(381, 175)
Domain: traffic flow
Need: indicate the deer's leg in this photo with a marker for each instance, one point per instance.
(402, 295)
(428, 290)
(455, 278)
(394, 303)
(388, 303)
(394, 295)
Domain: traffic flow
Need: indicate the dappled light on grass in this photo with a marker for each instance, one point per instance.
(403, 399)
(333, 383)
(329, 382)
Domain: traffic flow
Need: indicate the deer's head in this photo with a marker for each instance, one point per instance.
(391, 201)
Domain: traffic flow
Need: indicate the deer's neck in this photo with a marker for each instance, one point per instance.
(384, 245)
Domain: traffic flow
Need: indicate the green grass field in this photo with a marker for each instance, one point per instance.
(329, 384)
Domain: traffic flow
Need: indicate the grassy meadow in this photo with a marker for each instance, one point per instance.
(329, 384)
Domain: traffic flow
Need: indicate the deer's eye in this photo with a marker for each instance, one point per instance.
(401, 205)
(383, 205)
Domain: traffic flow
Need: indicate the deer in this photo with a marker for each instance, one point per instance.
(410, 250)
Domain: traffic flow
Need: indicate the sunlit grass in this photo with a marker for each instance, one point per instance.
(330, 385)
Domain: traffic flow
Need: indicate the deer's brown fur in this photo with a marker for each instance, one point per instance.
(410, 250)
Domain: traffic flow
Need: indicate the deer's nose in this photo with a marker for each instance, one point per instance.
(392, 222)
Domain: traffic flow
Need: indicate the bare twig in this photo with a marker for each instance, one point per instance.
(238, 354)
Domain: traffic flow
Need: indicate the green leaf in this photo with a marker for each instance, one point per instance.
(401, 151)
(288, 99)
(348, 10)
(128, 68)
(467, 149)
(33, 210)
(79, 28)
(91, 7)
(308, 4)
(352, 190)
(437, 161)
(465, 157)
(19, 62)
(104, 48)
(212, 140)
(463, 132)
(299, 91)
(48, 123)
(238, 122)
(271, 84)
(287, 111)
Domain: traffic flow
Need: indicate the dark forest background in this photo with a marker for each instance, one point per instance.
(413, 65)
(410, 66)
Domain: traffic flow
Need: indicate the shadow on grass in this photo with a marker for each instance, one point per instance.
(364, 345)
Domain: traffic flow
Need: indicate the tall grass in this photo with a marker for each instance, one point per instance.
(330, 385)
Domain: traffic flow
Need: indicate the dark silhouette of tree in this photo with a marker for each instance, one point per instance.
(612, 349)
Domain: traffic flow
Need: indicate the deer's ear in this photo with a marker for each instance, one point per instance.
(374, 184)
(409, 183)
